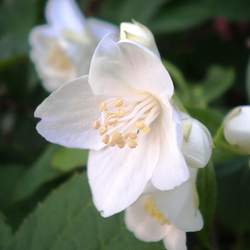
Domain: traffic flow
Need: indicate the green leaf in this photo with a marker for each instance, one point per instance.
(39, 173)
(232, 10)
(128, 10)
(248, 79)
(67, 220)
(180, 15)
(5, 233)
(207, 189)
(177, 16)
(210, 117)
(234, 193)
(217, 82)
(179, 81)
(9, 176)
(66, 159)
(16, 20)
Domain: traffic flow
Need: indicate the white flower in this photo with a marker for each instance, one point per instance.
(197, 142)
(138, 33)
(237, 128)
(62, 49)
(123, 112)
(166, 215)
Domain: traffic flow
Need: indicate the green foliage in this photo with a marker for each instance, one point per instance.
(5, 234)
(38, 174)
(68, 220)
(233, 198)
(9, 176)
(218, 80)
(181, 15)
(207, 189)
(210, 117)
(16, 21)
(128, 10)
(53, 163)
(66, 159)
(179, 81)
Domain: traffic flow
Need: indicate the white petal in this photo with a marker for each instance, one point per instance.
(43, 40)
(67, 116)
(53, 80)
(40, 36)
(119, 68)
(141, 224)
(237, 128)
(171, 169)
(175, 239)
(65, 15)
(100, 28)
(117, 177)
(180, 205)
(197, 143)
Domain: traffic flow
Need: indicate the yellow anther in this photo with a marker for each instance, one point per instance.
(146, 130)
(111, 144)
(132, 135)
(96, 124)
(118, 102)
(121, 112)
(121, 144)
(132, 143)
(112, 121)
(102, 130)
(105, 139)
(140, 124)
(116, 137)
(154, 212)
(103, 106)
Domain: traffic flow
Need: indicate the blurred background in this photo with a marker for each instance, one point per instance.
(204, 44)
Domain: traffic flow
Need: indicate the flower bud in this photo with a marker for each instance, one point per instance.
(197, 142)
(138, 33)
(237, 128)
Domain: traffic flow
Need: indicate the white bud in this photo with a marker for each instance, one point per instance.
(197, 142)
(237, 128)
(138, 33)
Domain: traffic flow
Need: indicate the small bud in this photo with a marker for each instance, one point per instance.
(138, 33)
(197, 142)
(237, 128)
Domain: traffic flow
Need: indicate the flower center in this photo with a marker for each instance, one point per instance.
(58, 59)
(123, 121)
(151, 209)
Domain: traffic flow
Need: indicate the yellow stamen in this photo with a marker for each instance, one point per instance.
(103, 106)
(121, 144)
(132, 135)
(96, 124)
(140, 124)
(118, 102)
(154, 212)
(132, 143)
(112, 121)
(121, 112)
(102, 130)
(116, 137)
(105, 139)
(146, 130)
